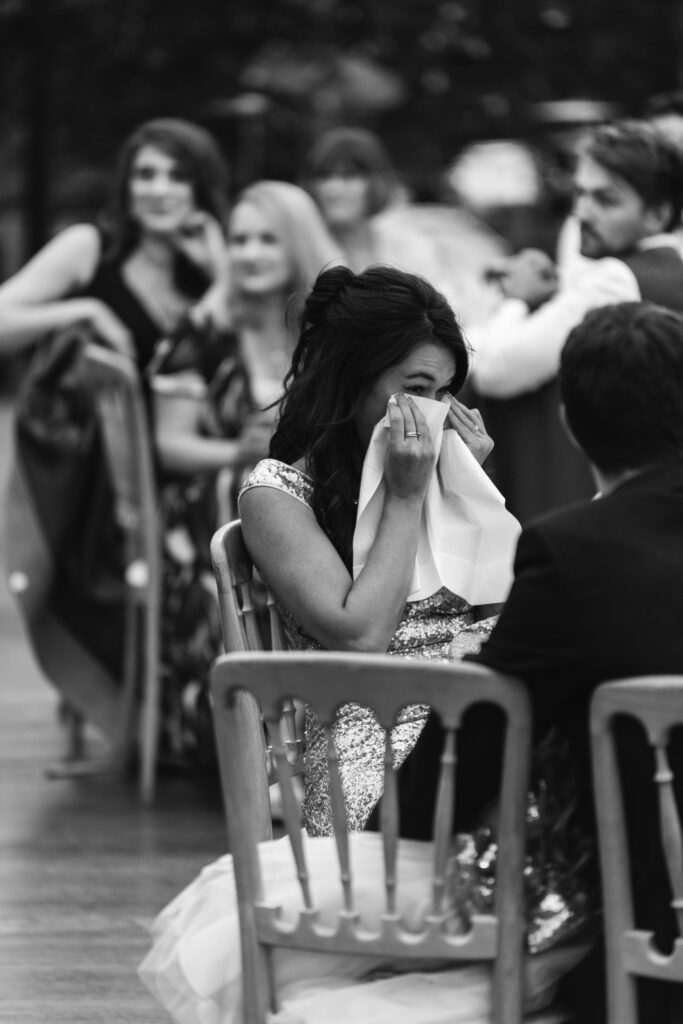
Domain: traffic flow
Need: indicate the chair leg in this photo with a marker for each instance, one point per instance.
(126, 733)
(75, 726)
(75, 764)
(149, 720)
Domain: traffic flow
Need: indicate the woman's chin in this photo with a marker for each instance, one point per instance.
(254, 287)
(161, 227)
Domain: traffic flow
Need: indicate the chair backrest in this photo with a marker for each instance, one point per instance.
(385, 684)
(656, 702)
(237, 597)
(124, 423)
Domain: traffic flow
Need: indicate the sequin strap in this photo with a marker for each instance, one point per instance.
(272, 473)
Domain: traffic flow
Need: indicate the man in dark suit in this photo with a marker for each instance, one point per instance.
(598, 588)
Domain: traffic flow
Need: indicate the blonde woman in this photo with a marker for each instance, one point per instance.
(278, 243)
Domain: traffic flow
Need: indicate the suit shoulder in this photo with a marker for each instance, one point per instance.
(566, 530)
(566, 519)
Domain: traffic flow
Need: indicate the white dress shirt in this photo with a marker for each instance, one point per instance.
(517, 351)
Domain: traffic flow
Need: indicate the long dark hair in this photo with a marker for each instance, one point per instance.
(199, 157)
(353, 327)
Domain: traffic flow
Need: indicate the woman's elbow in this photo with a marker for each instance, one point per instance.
(366, 641)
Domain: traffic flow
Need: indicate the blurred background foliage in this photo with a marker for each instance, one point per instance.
(265, 76)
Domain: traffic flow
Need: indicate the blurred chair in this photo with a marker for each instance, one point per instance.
(240, 596)
(656, 702)
(123, 421)
(386, 684)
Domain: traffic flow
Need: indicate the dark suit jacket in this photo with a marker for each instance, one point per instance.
(598, 595)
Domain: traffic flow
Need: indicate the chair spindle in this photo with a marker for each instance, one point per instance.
(247, 615)
(444, 815)
(291, 811)
(671, 829)
(339, 820)
(389, 822)
(277, 635)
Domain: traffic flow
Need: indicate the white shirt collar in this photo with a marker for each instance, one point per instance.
(659, 242)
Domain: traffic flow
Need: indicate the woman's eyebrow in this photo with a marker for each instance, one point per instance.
(416, 374)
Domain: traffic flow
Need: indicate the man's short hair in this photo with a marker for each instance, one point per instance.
(621, 380)
(641, 154)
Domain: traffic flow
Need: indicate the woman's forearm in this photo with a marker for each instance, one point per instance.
(22, 324)
(187, 453)
(375, 601)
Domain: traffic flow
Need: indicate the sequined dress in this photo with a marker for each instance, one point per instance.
(427, 629)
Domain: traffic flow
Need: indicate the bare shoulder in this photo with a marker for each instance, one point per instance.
(82, 244)
(62, 267)
(279, 530)
(273, 509)
(70, 257)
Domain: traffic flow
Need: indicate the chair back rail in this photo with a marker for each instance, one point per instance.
(386, 685)
(234, 573)
(122, 415)
(656, 702)
(235, 580)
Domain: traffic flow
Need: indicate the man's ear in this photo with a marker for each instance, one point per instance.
(567, 428)
(658, 218)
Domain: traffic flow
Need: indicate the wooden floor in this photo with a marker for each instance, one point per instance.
(83, 868)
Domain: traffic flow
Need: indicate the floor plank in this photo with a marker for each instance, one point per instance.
(83, 867)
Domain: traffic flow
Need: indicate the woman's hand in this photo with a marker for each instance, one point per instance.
(410, 457)
(213, 309)
(531, 276)
(202, 241)
(469, 425)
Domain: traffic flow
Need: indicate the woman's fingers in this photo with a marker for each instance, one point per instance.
(465, 421)
(415, 426)
(396, 421)
(421, 426)
(469, 425)
(201, 239)
(408, 411)
(410, 456)
(468, 417)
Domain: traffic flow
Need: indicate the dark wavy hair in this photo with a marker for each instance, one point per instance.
(353, 327)
(641, 154)
(198, 156)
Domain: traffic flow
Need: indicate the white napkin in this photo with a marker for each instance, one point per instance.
(467, 537)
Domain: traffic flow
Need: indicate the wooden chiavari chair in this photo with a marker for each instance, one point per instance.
(656, 702)
(385, 684)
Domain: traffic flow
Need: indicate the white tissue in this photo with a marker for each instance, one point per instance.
(467, 537)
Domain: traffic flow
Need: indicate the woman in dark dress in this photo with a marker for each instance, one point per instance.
(154, 270)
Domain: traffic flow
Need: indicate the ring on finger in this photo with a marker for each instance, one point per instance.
(412, 433)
